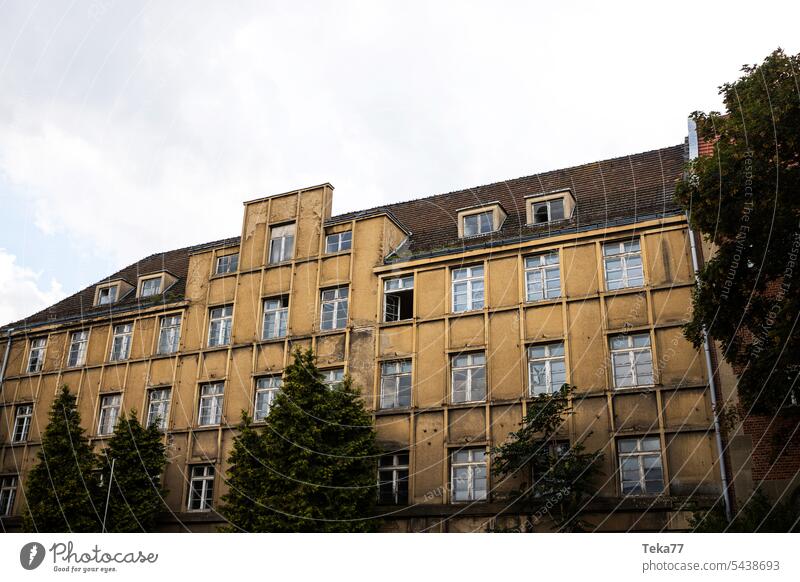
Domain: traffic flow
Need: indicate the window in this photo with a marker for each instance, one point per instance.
(121, 342)
(341, 241)
(36, 355)
(266, 390)
(542, 277)
(281, 243)
(467, 288)
(480, 223)
(333, 377)
(393, 479)
(22, 422)
(640, 465)
(227, 264)
(201, 488)
(396, 384)
(150, 287)
(469, 377)
(334, 308)
(158, 407)
(548, 210)
(546, 369)
(77, 348)
(468, 474)
(8, 490)
(169, 334)
(107, 295)
(211, 403)
(109, 410)
(219, 327)
(398, 298)
(623, 265)
(632, 360)
(276, 312)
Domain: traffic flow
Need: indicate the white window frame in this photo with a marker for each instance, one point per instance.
(169, 334)
(550, 359)
(394, 473)
(109, 413)
(121, 340)
(211, 403)
(8, 493)
(332, 377)
(473, 365)
(277, 310)
(633, 349)
(481, 226)
(626, 252)
(543, 269)
(341, 295)
(227, 264)
(36, 354)
(158, 403)
(220, 318)
(267, 388)
(549, 205)
(338, 242)
(23, 415)
(471, 465)
(144, 286)
(110, 297)
(397, 285)
(78, 343)
(281, 243)
(204, 476)
(640, 454)
(472, 277)
(393, 374)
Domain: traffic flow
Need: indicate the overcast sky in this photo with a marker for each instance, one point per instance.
(128, 128)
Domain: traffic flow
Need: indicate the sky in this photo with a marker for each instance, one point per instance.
(128, 128)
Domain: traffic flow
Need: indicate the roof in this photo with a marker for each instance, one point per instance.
(81, 304)
(624, 189)
(628, 188)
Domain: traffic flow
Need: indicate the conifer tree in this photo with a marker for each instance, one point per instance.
(62, 489)
(313, 466)
(136, 496)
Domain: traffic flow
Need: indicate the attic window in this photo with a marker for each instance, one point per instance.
(107, 295)
(550, 207)
(480, 220)
(150, 287)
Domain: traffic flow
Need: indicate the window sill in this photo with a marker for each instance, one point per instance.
(408, 321)
(396, 410)
(538, 302)
(223, 275)
(325, 255)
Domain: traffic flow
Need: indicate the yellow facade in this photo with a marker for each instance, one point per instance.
(675, 409)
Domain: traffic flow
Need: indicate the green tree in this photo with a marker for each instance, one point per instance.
(557, 476)
(62, 489)
(312, 468)
(247, 475)
(136, 496)
(757, 515)
(745, 198)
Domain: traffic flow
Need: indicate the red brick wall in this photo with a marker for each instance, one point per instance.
(776, 444)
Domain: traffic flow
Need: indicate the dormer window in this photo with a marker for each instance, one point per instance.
(107, 295)
(478, 223)
(150, 287)
(542, 209)
(480, 220)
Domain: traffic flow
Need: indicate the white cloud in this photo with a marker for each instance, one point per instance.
(21, 290)
(133, 128)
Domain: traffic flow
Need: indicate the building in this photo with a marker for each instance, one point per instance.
(448, 311)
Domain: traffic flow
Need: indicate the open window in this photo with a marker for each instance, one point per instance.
(550, 207)
(398, 298)
(111, 292)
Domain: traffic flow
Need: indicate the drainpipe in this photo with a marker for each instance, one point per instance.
(712, 385)
(5, 358)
